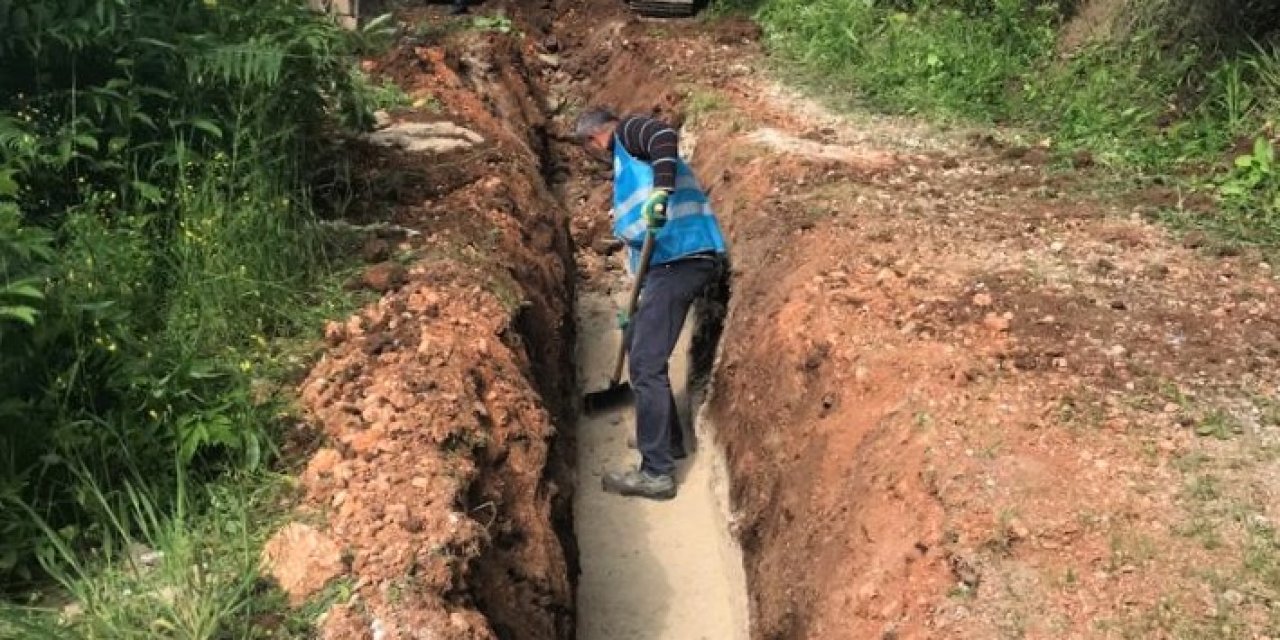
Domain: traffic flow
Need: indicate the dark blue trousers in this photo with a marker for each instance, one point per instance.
(665, 297)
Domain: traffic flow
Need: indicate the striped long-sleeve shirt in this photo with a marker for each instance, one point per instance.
(652, 141)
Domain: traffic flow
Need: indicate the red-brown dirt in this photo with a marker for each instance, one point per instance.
(962, 395)
(443, 478)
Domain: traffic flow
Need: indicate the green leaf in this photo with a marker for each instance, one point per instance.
(1244, 162)
(21, 314)
(1263, 151)
(378, 24)
(8, 186)
(144, 119)
(207, 126)
(253, 452)
(23, 289)
(147, 191)
(157, 43)
(86, 141)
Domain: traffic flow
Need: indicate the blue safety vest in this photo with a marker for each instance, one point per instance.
(691, 226)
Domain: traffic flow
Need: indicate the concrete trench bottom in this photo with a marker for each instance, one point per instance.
(651, 570)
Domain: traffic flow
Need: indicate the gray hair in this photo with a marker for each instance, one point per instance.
(591, 121)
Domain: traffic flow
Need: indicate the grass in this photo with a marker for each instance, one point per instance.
(1219, 424)
(162, 279)
(187, 572)
(1173, 98)
(701, 104)
(1131, 549)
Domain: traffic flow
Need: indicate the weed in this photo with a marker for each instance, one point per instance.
(495, 24)
(1203, 488)
(159, 574)
(700, 104)
(935, 59)
(383, 95)
(1219, 424)
(157, 238)
(1131, 549)
(1001, 542)
(1191, 462)
(1081, 411)
(1204, 529)
(923, 420)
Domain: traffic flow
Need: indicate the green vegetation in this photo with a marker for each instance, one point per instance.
(1183, 88)
(497, 24)
(158, 255)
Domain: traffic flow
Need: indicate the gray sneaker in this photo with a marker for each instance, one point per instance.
(635, 482)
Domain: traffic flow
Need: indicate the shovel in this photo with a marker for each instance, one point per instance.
(619, 392)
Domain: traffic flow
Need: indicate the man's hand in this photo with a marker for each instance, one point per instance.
(654, 210)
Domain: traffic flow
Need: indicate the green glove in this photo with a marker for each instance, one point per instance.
(654, 210)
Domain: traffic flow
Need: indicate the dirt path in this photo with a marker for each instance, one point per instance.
(650, 571)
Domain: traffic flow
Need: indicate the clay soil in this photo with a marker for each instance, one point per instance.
(443, 477)
(961, 393)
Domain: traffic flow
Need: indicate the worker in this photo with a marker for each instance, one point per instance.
(655, 192)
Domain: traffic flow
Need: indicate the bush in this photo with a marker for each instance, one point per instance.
(155, 233)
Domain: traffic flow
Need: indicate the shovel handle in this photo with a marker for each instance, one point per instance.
(646, 252)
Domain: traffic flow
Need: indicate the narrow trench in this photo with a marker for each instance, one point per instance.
(652, 570)
(643, 570)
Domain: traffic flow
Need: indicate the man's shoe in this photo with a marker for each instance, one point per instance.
(640, 483)
(676, 452)
(458, 10)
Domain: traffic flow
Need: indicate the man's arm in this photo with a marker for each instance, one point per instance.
(655, 142)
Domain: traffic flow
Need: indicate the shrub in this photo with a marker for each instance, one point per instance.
(155, 234)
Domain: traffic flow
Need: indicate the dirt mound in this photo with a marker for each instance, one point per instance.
(444, 480)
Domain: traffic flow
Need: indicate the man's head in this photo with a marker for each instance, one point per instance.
(594, 128)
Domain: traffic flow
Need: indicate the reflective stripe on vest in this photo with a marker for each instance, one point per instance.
(691, 225)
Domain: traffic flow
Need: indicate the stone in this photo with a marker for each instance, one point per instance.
(302, 560)
(425, 137)
(322, 463)
(384, 276)
(996, 322)
(606, 245)
(375, 250)
(1233, 597)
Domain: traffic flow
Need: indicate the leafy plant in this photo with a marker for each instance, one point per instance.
(497, 24)
(156, 236)
(1252, 172)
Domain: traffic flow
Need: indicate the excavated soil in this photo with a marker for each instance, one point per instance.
(444, 479)
(962, 394)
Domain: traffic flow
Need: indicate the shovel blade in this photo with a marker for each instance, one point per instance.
(616, 394)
